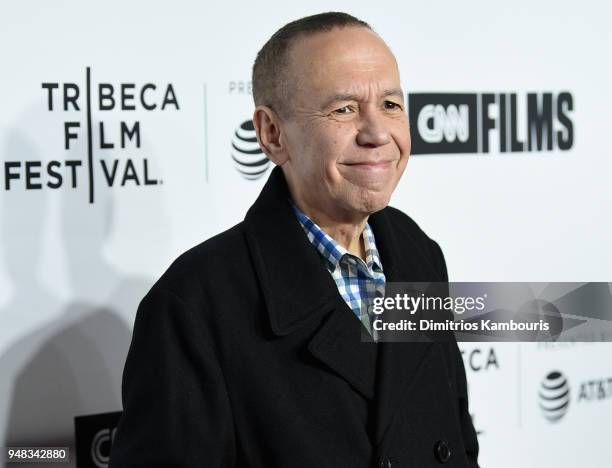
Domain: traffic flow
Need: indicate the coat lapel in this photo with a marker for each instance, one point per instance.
(338, 344)
(298, 290)
(398, 363)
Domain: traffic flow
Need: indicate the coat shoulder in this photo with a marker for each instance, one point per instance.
(209, 262)
(406, 227)
(401, 220)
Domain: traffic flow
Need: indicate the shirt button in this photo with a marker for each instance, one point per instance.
(442, 451)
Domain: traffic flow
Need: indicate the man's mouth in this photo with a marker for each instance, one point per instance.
(369, 164)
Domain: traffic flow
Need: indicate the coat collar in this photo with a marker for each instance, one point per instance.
(297, 288)
(295, 283)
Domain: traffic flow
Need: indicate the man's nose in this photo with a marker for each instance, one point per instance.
(373, 130)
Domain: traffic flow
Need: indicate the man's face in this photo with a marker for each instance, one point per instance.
(346, 132)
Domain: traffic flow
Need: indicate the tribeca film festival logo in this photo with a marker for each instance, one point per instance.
(101, 144)
(555, 394)
(445, 123)
(480, 359)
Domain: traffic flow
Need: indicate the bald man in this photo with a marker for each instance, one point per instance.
(249, 350)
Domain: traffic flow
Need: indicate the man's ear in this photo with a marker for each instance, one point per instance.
(269, 134)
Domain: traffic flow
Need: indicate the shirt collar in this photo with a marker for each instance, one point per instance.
(333, 252)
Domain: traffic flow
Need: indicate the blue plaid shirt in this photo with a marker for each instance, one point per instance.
(358, 282)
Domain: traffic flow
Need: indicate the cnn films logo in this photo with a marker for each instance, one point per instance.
(94, 435)
(447, 123)
(111, 153)
(100, 447)
(555, 395)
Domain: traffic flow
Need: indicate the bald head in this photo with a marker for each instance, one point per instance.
(273, 79)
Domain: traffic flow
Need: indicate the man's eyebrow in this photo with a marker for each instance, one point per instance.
(397, 92)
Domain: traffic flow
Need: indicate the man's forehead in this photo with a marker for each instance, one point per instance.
(344, 64)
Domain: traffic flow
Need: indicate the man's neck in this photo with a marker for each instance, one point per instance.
(346, 232)
(348, 236)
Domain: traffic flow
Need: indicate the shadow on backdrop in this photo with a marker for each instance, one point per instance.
(67, 359)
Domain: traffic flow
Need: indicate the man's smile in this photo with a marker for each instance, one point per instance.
(369, 166)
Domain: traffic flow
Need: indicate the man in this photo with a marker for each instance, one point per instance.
(248, 351)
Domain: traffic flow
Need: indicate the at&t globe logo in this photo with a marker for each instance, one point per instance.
(554, 396)
(248, 157)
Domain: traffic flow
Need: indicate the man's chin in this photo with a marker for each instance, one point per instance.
(370, 202)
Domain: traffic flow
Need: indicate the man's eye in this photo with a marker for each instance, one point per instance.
(343, 110)
(392, 105)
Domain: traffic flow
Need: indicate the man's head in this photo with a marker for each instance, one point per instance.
(330, 112)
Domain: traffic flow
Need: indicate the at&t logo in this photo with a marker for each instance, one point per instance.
(554, 396)
(249, 159)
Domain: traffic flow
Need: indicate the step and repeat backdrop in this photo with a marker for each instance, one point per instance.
(126, 138)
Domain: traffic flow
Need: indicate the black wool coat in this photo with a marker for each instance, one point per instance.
(245, 355)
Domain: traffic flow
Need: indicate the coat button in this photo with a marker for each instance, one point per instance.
(442, 451)
(385, 463)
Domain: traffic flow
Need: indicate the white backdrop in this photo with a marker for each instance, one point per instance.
(72, 272)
